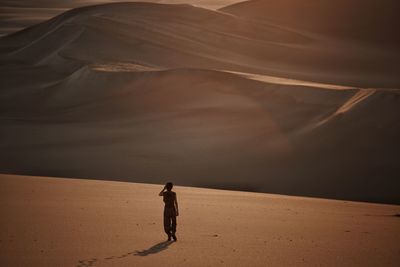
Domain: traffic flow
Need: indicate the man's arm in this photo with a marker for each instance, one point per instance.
(162, 191)
(176, 206)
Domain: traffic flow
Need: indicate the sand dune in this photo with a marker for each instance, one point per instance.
(143, 91)
(144, 127)
(140, 32)
(70, 222)
(17, 15)
(358, 20)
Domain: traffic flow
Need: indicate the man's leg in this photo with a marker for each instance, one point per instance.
(173, 226)
(167, 225)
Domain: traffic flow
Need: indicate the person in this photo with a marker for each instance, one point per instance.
(170, 210)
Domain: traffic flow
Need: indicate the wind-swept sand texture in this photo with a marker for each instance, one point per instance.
(142, 91)
(69, 222)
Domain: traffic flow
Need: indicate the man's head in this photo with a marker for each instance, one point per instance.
(169, 186)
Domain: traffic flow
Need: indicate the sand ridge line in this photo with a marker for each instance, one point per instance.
(356, 99)
(121, 67)
(287, 81)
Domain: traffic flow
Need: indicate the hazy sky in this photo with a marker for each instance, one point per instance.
(18, 14)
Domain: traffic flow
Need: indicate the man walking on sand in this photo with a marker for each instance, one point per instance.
(170, 210)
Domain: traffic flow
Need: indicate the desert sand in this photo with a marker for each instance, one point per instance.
(16, 15)
(140, 91)
(71, 222)
(287, 97)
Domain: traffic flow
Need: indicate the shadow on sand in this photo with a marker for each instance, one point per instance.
(154, 249)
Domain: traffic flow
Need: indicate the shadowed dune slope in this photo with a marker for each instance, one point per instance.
(206, 128)
(140, 92)
(348, 34)
(361, 20)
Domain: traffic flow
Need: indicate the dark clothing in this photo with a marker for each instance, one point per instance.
(169, 221)
(169, 212)
(169, 199)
